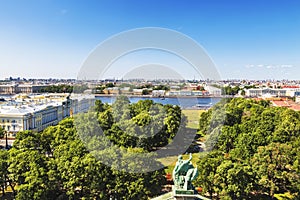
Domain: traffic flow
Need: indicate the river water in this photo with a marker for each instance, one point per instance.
(183, 102)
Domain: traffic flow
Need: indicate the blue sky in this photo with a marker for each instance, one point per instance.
(257, 39)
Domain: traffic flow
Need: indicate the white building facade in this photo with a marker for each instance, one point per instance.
(261, 92)
(36, 116)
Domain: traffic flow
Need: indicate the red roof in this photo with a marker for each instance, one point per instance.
(291, 86)
(286, 103)
(281, 103)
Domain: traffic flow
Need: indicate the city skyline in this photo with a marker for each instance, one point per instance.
(245, 39)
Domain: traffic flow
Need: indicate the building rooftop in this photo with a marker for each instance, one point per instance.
(26, 104)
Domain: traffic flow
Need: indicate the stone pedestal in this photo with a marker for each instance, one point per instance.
(180, 194)
(188, 197)
(183, 192)
(184, 197)
(172, 196)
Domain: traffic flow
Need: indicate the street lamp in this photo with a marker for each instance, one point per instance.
(6, 141)
(2, 134)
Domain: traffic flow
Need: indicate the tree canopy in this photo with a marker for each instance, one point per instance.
(58, 163)
(255, 154)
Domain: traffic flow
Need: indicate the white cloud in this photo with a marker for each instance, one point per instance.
(268, 66)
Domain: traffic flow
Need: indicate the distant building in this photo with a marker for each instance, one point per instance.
(112, 90)
(126, 91)
(7, 89)
(187, 93)
(175, 87)
(180, 93)
(22, 88)
(37, 112)
(192, 86)
(297, 94)
(158, 93)
(28, 89)
(213, 90)
(261, 92)
(293, 92)
(197, 93)
(137, 91)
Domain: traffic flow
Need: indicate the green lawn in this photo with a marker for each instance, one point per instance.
(193, 117)
(193, 122)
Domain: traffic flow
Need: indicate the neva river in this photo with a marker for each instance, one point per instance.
(187, 103)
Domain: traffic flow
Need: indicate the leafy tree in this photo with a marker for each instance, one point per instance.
(64, 88)
(273, 166)
(109, 85)
(243, 92)
(99, 89)
(99, 106)
(5, 180)
(289, 127)
(29, 170)
(201, 88)
(228, 90)
(226, 140)
(207, 167)
(121, 108)
(2, 132)
(161, 87)
(80, 173)
(234, 179)
(56, 163)
(204, 123)
(143, 124)
(260, 147)
(145, 92)
(105, 119)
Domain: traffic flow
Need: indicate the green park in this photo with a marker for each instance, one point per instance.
(251, 152)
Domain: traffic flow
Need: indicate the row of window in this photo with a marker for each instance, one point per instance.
(8, 128)
(11, 135)
(49, 117)
(12, 121)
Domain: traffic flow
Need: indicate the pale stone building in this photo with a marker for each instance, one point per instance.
(37, 112)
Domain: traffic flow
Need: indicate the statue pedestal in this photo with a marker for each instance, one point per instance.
(180, 194)
(172, 196)
(183, 192)
(188, 197)
(184, 197)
